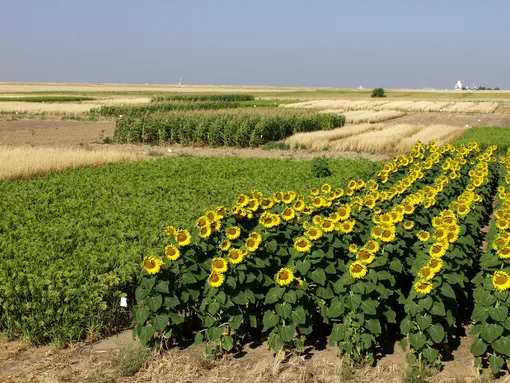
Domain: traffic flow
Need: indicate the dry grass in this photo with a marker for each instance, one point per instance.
(323, 138)
(53, 108)
(25, 161)
(440, 133)
(370, 116)
(378, 138)
(405, 106)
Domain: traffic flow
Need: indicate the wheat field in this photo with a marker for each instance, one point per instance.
(23, 162)
(366, 116)
(380, 138)
(405, 106)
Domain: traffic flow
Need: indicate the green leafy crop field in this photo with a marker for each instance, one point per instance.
(71, 243)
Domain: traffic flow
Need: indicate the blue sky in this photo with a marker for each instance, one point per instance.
(376, 43)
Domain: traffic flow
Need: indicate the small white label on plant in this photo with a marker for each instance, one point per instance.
(123, 302)
(169, 150)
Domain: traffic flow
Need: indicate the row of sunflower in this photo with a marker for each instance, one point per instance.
(492, 296)
(443, 268)
(284, 266)
(388, 275)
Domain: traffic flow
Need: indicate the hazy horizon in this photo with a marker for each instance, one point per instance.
(289, 43)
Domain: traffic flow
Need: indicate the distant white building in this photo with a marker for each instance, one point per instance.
(458, 86)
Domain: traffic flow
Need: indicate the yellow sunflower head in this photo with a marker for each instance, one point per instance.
(435, 265)
(327, 225)
(426, 273)
(313, 233)
(256, 236)
(266, 203)
(438, 249)
(299, 205)
(288, 197)
(242, 200)
(408, 225)
(423, 235)
(152, 264)
(357, 270)
(170, 230)
(372, 246)
(388, 235)
(205, 232)
(236, 256)
(326, 188)
(315, 191)
(302, 244)
(366, 256)
(353, 248)
(252, 244)
(183, 237)
(288, 214)
(347, 226)
(219, 265)
(284, 277)
(423, 287)
(233, 232)
(216, 280)
(504, 252)
(296, 283)
(501, 280)
(225, 245)
(172, 253)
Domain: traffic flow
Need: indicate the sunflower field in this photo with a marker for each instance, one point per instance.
(396, 253)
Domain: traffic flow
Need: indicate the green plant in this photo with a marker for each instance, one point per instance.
(378, 92)
(276, 145)
(320, 167)
(133, 359)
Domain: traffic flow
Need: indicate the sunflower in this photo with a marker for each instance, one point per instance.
(216, 226)
(423, 235)
(438, 249)
(372, 246)
(236, 256)
(408, 225)
(212, 216)
(183, 237)
(288, 214)
(172, 252)
(225, 245)
(344, 212)
(502, 224)
(504, 252)
(276, 219)
(436, 221)
(302, 244)
(313, 233)
(170, 230)
(252, 244)
(205, 232)
(256, 236)
(256, 194)
(152, 264)
(463, 209)
(353, 248)
(253, 205)
(219, 265)
(423, 287)
(216, 280)
(376, 232)
(357, 270)
(266, 220)
(299, 205)
(388, 235)
(233, 232)
(347, 226)
(284, 277)
(435, 265)
(277, 197)
(327, 225)
(366, 256)
(296, 283)
(266, 203)
(501, 280)
(315, 191)
(288, 197)
(326, 188)
(335, 217)
(426, 273)
(317, 202)
(308, 210)
(242, 200)
(317, 220)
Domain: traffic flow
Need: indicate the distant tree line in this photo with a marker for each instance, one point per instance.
(484, 88)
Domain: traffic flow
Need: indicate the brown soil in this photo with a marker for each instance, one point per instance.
(109, 361)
